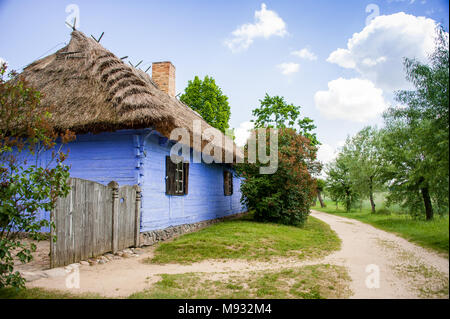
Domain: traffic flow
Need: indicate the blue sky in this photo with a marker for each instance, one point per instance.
(297, 49)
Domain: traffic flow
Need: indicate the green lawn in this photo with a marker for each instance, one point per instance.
(241, 238)
(431, 234)
(246, 239)
(308, 282)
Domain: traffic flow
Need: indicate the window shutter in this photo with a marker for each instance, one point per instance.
(170, 176)
(225, 182)
(231, 183)
(186, 177)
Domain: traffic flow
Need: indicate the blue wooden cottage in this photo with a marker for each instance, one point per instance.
(123, 119)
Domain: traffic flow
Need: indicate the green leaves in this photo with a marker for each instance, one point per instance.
(415, 141)
(275, 112)
(285, 196)
(206, 98)
(25, 190)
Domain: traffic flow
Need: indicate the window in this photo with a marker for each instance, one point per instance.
(227, 183)
(176, 177)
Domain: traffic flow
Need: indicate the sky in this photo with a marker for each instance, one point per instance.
(341, 61)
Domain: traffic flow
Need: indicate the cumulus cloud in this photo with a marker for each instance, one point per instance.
(242, 133)
(288, 67)
(305, 54)
(377, 51)
(267, 23)
(355, 100)
(326, 153)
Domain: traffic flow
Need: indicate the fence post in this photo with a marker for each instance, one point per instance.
(115, 216)
(137, 217)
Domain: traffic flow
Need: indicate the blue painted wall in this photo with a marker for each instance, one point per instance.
(205, 199)
(138, 157)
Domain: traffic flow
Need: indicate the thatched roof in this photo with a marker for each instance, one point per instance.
(92, 90)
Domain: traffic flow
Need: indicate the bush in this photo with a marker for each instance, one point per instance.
(383, 211)
(25, 189)
(287, 195)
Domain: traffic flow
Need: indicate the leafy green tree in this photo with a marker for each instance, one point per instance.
(285, 196)
(274, 111)
(364, 162)
(25, 188)
(339, 184)
(206, 98)
(415, 140)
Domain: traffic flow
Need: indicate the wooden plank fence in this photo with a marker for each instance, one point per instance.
(92, 220)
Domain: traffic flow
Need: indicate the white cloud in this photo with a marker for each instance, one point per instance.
(377, 51)
(267, 23)
(326, 153)
(288, 67)
(355, 100)
(242, 133)
(3, 61)
(305, 54)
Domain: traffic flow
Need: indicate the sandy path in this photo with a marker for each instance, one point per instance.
(406, 270)
(404, 267)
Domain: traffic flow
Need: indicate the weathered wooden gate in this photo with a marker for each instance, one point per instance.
(94, 219)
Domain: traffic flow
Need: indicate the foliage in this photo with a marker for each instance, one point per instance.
(275, 112)
(286, 195)
(206, 98)
(320, 184)
(339, 183)
(362, 156)
(25, 189)
(415, 141)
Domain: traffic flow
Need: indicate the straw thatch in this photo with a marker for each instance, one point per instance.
(91, 90)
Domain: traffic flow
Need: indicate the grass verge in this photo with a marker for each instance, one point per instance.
(321, 281)
(246, 239)
(431, 234)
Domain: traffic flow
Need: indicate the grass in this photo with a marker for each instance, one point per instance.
(430, 234)
(246, 239)
(39, 293)
(321, 281)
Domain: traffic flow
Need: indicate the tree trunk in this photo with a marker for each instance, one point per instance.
(372, 203)
(427, 202)
(319, 195)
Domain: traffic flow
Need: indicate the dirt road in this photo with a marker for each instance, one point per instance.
(405, 269)
(380, 264)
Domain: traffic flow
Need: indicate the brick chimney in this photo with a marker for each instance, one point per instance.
(163, 74)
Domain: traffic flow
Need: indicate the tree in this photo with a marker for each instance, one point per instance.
(206, 98)
(285, 196)
(275, 112)
(339, 183)
(364, 162)
(320, 188)
(25, 188)
(415, 140)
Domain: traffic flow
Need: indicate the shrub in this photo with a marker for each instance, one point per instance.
(287, 195)
(25, 189)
